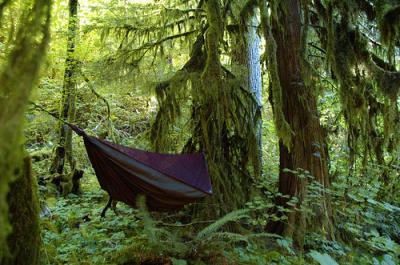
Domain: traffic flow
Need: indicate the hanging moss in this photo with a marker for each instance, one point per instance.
(389, 25)
(364, 79)
(387, 81)
(212, 88)
(284, 131)
(172, 92)
(213, 114)
(217, 127)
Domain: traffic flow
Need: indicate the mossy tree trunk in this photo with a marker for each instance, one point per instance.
(63, 152)
(23, 204)
(17, 78)
(306, 149)
(212, 106)
(222, 119)
(230, 188)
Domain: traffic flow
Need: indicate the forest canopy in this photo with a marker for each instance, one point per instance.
(289, 109)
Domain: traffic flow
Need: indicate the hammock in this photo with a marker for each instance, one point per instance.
(169, 181)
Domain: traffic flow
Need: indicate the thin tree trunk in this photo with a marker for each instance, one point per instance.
(63, 151)
(254, 77)
(246, 66)
(306, 149)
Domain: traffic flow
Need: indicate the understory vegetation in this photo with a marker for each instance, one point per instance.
(295, 105)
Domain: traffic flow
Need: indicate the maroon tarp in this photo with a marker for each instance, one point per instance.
(169, 181)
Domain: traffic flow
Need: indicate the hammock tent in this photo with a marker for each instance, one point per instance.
(169, 181)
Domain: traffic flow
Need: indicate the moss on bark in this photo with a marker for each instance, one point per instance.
(63, 151)
(304, 150)
(283, 129)
(17, 79)
(23, 204)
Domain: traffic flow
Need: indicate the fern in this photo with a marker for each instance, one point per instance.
(263, 235)
(228, 237)
(232, 216)
(323, 259)
(149, 228)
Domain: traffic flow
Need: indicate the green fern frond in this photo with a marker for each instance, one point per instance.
(149, 228)
(228, 237)
(263, 235)
(232, 216)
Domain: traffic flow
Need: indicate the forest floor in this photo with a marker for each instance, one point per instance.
(74, 232)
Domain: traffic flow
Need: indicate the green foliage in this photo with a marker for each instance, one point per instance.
(75, 233)
(212, 228)
(179, 243)
(323, 259)
(127, 50)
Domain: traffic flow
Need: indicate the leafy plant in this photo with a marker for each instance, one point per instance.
(322, 259)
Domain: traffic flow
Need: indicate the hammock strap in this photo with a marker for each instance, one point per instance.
(75, 128)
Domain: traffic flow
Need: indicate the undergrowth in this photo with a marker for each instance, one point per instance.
(366, 216)
(74, 233)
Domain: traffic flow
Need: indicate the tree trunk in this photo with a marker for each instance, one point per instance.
(306, 149)
(24, 241)
(254, 77)
(247, 68)
(18, 77)
(212, 88)
(63, 151)
(229, 188)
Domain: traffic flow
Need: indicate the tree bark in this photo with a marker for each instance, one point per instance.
(307, 148)
(252, 41)
(246, 66)
(24, 241)
(63, 151)
(18, 77)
